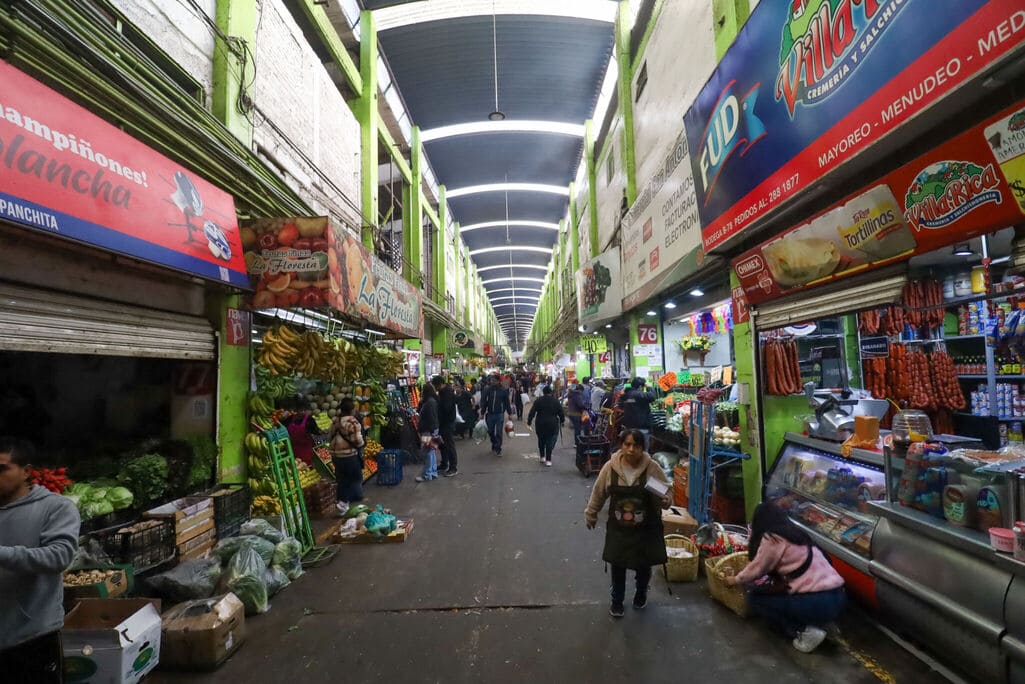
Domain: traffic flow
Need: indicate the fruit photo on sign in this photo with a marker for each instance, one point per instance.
(288, 260)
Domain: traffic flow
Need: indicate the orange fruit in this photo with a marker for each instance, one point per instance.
(279, 283)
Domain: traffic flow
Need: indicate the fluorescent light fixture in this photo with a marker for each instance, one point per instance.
(437, 10)
(580, 329)
(510, 222)
(649, 312)
(608, 325)
(697, 292)
(670, 305)
(523, 298)
(528, 290)
(509, 248)
(507, 187)
(533, 304)
(520, 126)
(497, 115)
(963, 249)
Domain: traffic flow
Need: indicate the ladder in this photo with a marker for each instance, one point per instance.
(286, 478)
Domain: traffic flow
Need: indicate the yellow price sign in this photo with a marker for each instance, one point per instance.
(593, 344)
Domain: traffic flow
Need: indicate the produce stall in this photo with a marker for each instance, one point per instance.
(886, 357)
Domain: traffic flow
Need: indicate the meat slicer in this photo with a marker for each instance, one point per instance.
(835, 411)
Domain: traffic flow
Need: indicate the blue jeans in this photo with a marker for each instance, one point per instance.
(793, 612)
(496, 426)
(430, 471)
(577, 428)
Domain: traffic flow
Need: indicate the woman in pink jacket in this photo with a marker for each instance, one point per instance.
(806, 592)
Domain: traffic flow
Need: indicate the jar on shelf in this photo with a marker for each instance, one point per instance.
(910, 426)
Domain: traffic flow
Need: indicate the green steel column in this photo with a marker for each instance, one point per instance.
(457, 285)
(441, 249)
(626, 100)
(407, 237)
(366, 115)
(235, 19)
(592, 187)
(469, 293)
(238, 19)
(574, 246)
(415, 210)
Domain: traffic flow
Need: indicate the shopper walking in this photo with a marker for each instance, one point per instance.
(447, 427)
(805, 594)
(38, 539)
(576, 406)
(597, 396)
(428, 427)
(517, 392)
(634, 538)
(636, 404)
(467, 410)
(549, 415)
(495, 407)
(346, 439)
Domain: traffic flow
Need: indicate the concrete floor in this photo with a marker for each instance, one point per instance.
(501, 582)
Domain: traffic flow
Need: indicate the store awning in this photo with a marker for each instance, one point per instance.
(49, 322)
(868, 291)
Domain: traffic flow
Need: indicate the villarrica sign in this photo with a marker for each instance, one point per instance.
(810, 84)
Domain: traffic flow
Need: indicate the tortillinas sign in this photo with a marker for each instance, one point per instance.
(968, 186)
(809, 84)
(67, 172)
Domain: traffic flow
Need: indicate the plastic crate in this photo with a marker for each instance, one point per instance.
(230, 529)
(389, 467)
(142, 549)
(231, 508)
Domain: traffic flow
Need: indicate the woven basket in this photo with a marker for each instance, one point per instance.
(682, 569)
(733, 597)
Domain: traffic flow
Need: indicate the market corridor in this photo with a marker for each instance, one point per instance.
(501, 582)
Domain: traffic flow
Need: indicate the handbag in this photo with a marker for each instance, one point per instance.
(459, 417)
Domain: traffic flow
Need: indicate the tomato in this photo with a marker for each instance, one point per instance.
(288, 235)
(302, 243)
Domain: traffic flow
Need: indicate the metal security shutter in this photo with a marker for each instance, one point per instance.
(866, 292)
(40, 321)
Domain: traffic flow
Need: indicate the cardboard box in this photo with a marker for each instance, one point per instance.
(121, 582)
(677, 520)
(111, 641)
(200, 635)
(402, 530)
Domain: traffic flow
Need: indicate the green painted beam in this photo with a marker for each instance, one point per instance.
(369, 122)
(592, 187)
(236, 19)
(574, 246)
(404, 168)
(457, 283)
(626, 100)
(652, 23)
(434, 216)
(329, 37)
(415, 210)
(440, 249)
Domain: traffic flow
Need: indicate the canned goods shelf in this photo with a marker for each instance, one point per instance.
(998, 377)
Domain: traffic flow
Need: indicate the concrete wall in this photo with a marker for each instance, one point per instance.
(680, 56)
(302, 124)
(610, 190)
(177, 30)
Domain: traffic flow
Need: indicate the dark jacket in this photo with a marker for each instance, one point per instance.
(636, 406)
(495, 399)
(464, 402)
(576, 403)
(548, 412)
(428, 416)
(447, 409)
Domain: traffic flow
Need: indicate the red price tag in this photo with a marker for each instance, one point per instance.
(647, 333)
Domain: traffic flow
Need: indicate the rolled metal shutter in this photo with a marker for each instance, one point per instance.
(41, 321)
(866, 292)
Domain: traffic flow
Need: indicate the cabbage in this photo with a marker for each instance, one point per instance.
(226, 548)
(288, 555)
(245, 578)
(94, 509)
(96, 494)
(78, 489)
(120, 497)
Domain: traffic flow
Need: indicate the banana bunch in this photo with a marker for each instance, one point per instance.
(272, 386)
(280, 350)
(258, 406)
(307, 360)
(266, 505)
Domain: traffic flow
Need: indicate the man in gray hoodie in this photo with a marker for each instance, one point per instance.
(38, 539)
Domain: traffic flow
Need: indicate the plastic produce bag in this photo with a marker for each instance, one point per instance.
(480, 430)
(275, 579)
(379, 523)
(288, 555)
(246, 579)
(226, 548)
(191, 580)
(262, 528)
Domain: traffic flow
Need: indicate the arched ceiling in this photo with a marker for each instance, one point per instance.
(550, 68)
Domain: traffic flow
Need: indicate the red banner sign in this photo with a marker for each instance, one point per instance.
(970, 185)
(237, 327)
(66, 171)
(647, 333)
(306, 262)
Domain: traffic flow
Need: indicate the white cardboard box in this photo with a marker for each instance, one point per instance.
(111, 641)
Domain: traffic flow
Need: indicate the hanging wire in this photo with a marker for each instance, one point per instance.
(494, 45)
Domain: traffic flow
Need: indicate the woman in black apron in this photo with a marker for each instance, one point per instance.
(634, 538)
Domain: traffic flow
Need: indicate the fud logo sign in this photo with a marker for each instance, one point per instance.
(732, 128)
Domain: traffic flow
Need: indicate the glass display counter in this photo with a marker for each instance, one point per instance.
(829, 495)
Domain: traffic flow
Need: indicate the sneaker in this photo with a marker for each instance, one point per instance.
(616, 610)
(640, 600)
(343, 508)
(833, 631)
(418, 479)
(548, 463)
(809, 639)
(452, 473)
